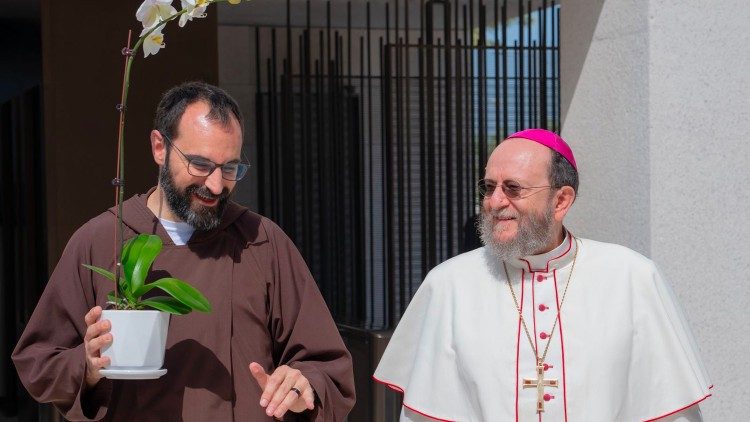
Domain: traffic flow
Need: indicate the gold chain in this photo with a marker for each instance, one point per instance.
(559, 308)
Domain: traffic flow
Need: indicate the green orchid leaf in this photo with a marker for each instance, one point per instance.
(150, 247)
(167, 304)
(130, 250)
(179, 290)
(100, 271)
(138, 254)
(111, 276)
(124, 288)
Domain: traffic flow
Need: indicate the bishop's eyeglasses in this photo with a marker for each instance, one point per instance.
(203, 167)
(511, 189)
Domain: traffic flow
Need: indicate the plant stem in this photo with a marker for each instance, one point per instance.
(118, 177)
(120, 185)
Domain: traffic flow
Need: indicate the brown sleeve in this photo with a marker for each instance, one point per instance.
(305, 335)
(50, 356)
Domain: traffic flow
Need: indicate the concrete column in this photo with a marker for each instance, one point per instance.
(655, 98)
(605, 106)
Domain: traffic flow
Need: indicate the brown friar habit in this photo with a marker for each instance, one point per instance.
(266, 308)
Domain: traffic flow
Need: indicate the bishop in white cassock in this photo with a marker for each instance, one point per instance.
(539, 325)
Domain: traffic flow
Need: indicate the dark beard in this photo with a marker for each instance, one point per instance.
(534, 233)
(180, 202)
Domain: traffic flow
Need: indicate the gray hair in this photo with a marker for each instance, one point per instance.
(562, 173)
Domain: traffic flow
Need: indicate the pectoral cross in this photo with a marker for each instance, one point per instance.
(539, 383)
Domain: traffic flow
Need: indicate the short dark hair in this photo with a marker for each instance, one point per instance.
(174, 102)
(562, 173)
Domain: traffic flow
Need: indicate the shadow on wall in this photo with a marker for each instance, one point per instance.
(572, 55)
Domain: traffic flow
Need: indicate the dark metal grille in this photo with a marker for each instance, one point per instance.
(373, 131)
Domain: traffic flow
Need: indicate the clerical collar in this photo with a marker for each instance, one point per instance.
(557, 258)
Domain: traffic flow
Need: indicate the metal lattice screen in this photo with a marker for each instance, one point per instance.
(372, 131)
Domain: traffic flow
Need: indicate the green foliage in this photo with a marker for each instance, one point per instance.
(138, 254)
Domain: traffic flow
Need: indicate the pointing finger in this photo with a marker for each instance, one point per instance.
(259, 374)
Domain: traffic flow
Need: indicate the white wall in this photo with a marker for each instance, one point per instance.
(655, 98)
(606, 121)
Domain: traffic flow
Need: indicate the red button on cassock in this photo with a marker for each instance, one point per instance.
(546, 367)
(540, 278)
(548, 397)
(543, 336)
(542, 307)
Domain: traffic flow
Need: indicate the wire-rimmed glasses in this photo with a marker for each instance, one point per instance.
(511, 189)
(203, 167)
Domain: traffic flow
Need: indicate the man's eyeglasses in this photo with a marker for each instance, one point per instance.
(511, 190)
(203, 167)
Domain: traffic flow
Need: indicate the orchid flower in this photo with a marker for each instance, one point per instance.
(151, 12)
(154, 15)
(193, 9)
(153, 41)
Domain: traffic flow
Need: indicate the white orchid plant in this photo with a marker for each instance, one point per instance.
(154, 14)
(135, 256)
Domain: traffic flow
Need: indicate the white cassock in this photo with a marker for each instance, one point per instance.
(622, 349)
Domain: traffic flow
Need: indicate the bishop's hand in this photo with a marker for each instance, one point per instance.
(285, 389)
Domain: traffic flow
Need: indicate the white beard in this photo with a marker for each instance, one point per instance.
(534, 233)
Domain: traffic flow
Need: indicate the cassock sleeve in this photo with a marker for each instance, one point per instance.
(304, 333)
(420, 360)
(49, 356)
(667, 374)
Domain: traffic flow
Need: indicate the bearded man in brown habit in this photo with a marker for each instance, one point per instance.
(269, 348)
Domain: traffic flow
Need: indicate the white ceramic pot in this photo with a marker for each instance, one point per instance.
(138, 339)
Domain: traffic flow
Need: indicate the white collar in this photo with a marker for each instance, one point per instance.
(557, 258)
